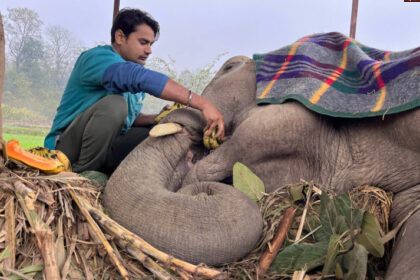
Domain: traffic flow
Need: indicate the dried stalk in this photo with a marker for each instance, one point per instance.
(278, 240)
(305, 211)
(9, 262)
(2, 71)
(395, 230)
(137, 242)
(28, 196)
(66, 266)
(146, 261)
(59, 243)
(99, 233)
(45, 240)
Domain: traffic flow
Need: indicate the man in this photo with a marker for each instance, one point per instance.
(99, 119)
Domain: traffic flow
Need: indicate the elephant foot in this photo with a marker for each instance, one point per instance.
(406, 252)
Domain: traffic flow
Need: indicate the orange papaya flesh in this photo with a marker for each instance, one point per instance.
(18, 153)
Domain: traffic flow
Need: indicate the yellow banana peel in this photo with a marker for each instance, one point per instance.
(164, 113)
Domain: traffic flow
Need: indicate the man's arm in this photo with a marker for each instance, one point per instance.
(132, 77)
(144, 120)
(176, 92)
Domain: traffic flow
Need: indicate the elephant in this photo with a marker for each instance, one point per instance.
(170, 191)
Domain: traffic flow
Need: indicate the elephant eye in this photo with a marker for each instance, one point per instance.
(229, 66)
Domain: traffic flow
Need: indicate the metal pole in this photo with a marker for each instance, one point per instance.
(116, 8)
(353, 19)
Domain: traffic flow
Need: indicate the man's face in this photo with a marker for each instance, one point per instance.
(137, 47)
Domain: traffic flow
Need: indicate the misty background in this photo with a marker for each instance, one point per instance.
(44, 38)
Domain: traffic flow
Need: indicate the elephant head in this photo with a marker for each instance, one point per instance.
(206, 222)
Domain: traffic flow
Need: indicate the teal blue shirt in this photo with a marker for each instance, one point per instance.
(99, 72)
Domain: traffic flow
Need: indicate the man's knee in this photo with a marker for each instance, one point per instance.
(112, 106)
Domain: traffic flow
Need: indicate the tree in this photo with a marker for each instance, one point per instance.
(63, 49)
(22, 27)
(31, 58)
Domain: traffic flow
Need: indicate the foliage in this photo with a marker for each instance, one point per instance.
(345, 233)
(22, 26)
(247, 182)
(28, 137)
(38, 69)
(25, 141)
(63, 47)
(35, 131)
(20, 115)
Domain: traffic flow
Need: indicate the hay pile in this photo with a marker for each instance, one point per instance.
(54, 223)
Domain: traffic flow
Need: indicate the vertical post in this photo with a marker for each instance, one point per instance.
(2, 69)
(353, 19)
(116, 9)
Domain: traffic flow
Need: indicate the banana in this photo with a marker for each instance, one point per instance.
(56, 155)
(164, 113)
(206, 142)
(63, 159)
(210, 142)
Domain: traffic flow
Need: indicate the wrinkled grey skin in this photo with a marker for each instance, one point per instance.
(281, 144)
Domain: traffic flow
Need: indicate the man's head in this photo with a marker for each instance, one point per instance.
(133, 34)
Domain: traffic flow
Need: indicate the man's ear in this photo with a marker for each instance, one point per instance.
(119, 37)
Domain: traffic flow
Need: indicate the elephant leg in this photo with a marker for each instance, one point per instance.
(406, 252)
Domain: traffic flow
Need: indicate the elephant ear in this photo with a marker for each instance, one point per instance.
(247, 182)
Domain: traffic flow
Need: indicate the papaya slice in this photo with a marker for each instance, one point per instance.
(50, 166)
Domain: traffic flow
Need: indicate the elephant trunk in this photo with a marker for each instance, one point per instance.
(206, 222)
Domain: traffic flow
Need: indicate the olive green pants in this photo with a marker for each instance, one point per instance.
(93, 140)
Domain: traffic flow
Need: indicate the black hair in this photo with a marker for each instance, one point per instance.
(128, 19)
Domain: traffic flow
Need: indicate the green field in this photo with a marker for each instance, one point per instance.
(28, 137)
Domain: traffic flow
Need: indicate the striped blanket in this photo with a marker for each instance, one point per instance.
(335, 75)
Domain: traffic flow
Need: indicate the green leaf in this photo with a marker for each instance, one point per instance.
(300, 256)
(296, 192)
(369, 237)
(247, 182)
(5, 254)
(337, 216)
(354, 217)
(29, 271)
(332, 253)
(98, 177)
(355, 263)
(329, 219)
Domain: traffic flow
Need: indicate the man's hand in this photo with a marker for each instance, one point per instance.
(215, 120)
(167, 107)
(177, 93)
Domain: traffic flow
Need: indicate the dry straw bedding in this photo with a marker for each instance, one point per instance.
(81, 255)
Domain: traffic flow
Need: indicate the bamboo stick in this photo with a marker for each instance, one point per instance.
(99, 233)
(278, 240)
(146, 261)
(137, 242)
(9, 262)
(45, 240)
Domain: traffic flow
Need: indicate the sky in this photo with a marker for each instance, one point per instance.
(195, 32)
